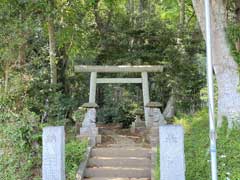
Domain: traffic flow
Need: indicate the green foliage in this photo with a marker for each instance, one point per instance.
(233, 33)
(20, 134)
(118, 34)
(119, 105)
(156, 42)
(228, 150)
(20, 141)
(75, 151)
(78, 115)
(197, 146)
(21, 128)
(157, 165)
(197, 154)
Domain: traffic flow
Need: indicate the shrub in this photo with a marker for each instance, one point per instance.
(75, 151)
(197, 154)
(20, 143)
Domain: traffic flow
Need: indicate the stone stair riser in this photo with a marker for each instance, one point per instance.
(120, 162)
(122, 173)
(120, 152)
(115, 178)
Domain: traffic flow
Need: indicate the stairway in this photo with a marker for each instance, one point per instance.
(119, 163)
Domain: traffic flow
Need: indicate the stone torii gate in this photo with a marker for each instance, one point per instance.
(143, 69)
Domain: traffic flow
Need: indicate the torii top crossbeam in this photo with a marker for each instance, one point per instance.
(116, 69)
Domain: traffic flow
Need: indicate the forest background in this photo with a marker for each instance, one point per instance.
(42, 40)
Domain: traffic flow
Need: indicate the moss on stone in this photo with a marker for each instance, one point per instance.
(90, 105)
(139, 112)
(154, 105)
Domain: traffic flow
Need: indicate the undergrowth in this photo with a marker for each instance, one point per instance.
(197, 154)
(21, 148)
(75, 151)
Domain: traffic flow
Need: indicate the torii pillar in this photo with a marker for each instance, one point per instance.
(143, 69)
(93, 82)
(146, 97)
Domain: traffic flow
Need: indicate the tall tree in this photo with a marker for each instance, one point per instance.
(52, 44)
(225, 67)
(237, 11)
(182, 14)
(103, 26)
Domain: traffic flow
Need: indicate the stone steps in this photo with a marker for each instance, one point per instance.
(123, 145)
(114, 178)
(121, 152)
(119, 163)
(122, 172)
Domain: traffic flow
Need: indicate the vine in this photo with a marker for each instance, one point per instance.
(233, 35)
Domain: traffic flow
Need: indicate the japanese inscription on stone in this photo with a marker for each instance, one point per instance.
(53, 165)
(172, 163)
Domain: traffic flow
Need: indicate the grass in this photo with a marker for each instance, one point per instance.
(20, 162)
(75, 151)
(197, 155)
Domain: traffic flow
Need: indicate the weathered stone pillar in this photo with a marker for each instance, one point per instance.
(92, 93)
(138, 124)
(172, 160)
(155, 120)
(53, 155)
(146, 97)
(89, 129)
(155, 117)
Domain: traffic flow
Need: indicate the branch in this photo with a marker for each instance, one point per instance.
(199, 11)
(101, 25)
(190, 18)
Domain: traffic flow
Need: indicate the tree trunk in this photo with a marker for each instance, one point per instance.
(103, 27)
(22, 53)
(226, 69)
(141, 9)
(52, 48)
(237, 11)
(130, 11)
(62, 70)
(141, 6)
(6, 77)
(182, 14)
(237, 18)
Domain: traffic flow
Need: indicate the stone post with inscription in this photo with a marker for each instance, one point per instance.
(172, 160)
(53, 155)
(89, 129)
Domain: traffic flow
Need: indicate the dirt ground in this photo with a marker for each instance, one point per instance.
(115, 135)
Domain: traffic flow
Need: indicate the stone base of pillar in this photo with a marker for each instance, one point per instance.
(133, 128)
(91, 133)
(89, 129)
(93, 140)
(138, 126)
